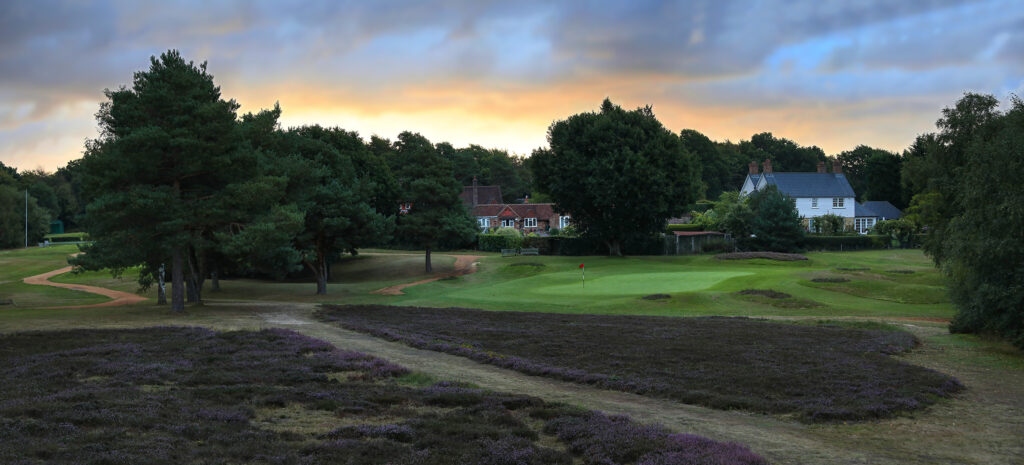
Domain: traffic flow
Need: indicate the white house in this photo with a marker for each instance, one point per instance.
(815, 194)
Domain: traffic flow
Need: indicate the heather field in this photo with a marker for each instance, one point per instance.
(190, 395)
(814, 373)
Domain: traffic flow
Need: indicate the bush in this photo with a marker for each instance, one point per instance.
(684, 227)
(496, 242)
(828, 224)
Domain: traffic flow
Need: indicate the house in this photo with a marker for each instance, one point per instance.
(485, 204)
(820, 193)
(869, 213)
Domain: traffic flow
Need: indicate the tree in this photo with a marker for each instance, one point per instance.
(12, 221)
(829, 224)
(776, 226)
(785, 154)
(167, 147)
(976, 222)
(882, 178)
(325, 182)
(425, 180)
(619, 174)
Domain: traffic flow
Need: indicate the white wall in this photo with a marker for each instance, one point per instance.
(803, 206)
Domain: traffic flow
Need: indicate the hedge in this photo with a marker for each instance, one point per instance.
(496, 242)
(858, 242)
(685, 227)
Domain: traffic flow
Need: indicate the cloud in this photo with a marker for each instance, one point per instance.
(498, 73)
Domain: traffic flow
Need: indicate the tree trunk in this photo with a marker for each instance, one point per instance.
(321, 278)
(614, 248)
(430, 269)
(177, 281)
(193, 285)
(215, 279)
(161, 289)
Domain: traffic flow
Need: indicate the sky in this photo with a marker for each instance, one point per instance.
(835, 74)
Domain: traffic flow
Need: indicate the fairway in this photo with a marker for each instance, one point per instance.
(627, 284)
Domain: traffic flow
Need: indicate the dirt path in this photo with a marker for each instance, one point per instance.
(120, 298)
(464, 264)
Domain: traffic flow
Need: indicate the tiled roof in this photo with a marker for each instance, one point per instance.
(811, 184)
(485, 195)
(861, 210)
(543, 211)
(883, 209)
(487, 210)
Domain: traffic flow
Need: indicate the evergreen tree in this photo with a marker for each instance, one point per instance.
(425, 180)
(167, 147)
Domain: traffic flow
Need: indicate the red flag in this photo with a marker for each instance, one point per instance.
(581, 265)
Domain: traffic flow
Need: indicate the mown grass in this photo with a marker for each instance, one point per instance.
(190, 395)
(17, 264)
(820, 373)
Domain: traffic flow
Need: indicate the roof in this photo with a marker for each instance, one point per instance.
(883, 209)
(811, 184)
(485, 195)
(754, 178)
(698, 233)
(861, 210)
(542, 211)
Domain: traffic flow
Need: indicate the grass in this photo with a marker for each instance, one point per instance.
(17, 264)
(190, 395)
(697, 285)
(818, 373)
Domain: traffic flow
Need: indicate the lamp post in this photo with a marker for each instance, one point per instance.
(26, 218)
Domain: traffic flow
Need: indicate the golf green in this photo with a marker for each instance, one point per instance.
(634, 283)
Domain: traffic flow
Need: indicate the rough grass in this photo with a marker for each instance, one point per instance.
(814, 373)
(769, 293)
(190, 395)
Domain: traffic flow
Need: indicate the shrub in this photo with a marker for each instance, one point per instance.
(857, 242)
(828, 224)
(496, 242)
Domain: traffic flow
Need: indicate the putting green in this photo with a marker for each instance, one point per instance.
(636, 283)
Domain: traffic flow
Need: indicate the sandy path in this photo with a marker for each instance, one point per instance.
(119, 298)
(464, 264)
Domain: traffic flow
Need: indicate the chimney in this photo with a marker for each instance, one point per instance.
(475, 202)
(821, 167)
(837, 168)
(767, 166)
(753, 167)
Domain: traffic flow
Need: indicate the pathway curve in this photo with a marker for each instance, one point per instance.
(119, 298)
(464, 264)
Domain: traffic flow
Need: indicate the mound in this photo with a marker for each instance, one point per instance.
(766, 293)
(785, 257)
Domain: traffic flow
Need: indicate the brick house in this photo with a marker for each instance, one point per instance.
(486, 205)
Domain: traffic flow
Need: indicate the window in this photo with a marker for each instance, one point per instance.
(814, 203)
(483, 223)
(563, 221)
(837, 202)
(509, 223)
(863, 225)
(530, 222)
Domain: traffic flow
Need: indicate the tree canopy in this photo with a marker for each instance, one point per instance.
(971, 205)
(617, 173)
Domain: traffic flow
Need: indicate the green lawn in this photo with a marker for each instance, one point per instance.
(17, 264)
(885, 283)
(697, 285)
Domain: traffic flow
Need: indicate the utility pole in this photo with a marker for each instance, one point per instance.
(26, 218)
